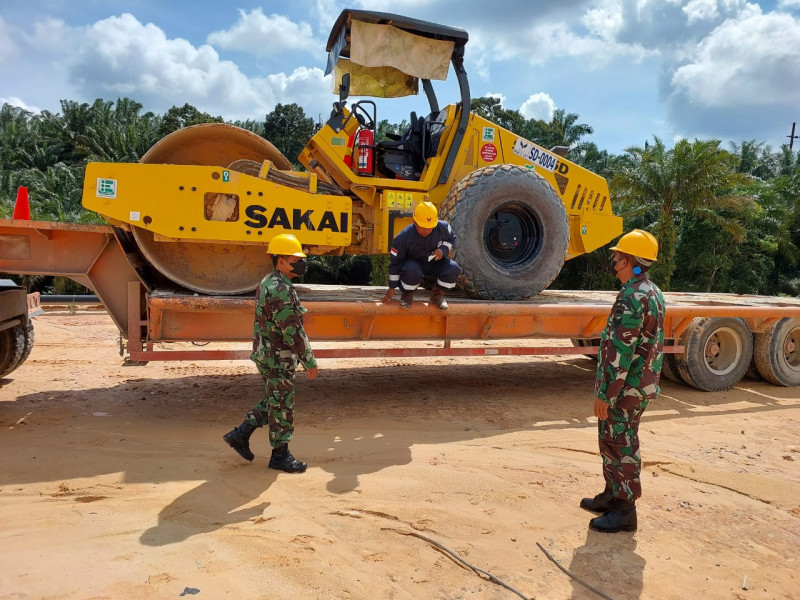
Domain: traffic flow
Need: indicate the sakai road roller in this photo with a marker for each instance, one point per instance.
(201, 207)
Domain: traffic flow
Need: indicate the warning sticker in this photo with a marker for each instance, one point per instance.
(488, 134)
(488, 152)
(538, 156)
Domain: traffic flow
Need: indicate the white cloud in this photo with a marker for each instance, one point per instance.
(327, 12)
(788, 4)
(257, 33)
(740, 84)
(120, 56)
(538, 106)
(7, 47)
(741, 63)
(14, 101)
(701, 10)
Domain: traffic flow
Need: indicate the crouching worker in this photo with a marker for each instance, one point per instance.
(279, 342)
(421, 251)
(628, 372)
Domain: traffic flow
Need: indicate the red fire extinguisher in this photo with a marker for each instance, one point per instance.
(365, 141)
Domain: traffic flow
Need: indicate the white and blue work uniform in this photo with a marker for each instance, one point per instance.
(412, 258)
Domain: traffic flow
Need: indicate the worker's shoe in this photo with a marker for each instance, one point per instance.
(406, 299)
(437, 298)
(601, 503)
(621, 517)
(282, 460)
(238, 438)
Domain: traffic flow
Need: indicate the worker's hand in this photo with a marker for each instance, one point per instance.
(600, 409)
(438, 254)
(312, 374)
(388, 295)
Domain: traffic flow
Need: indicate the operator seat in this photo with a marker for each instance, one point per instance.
(402, 158)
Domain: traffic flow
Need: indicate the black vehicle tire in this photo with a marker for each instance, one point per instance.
(26, 350)
(777, 353)
(718, 353)
(512, 232)
(589, 342)
(12, 349)
(752, 370)
(669, 369)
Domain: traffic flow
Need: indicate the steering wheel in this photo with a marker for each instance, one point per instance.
(362, 116)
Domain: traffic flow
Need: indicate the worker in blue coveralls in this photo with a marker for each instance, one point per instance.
(421, 251)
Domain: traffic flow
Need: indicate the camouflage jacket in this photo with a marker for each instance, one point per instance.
(279, 339)
(632, 344)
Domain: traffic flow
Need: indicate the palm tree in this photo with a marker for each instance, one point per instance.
(658, 185)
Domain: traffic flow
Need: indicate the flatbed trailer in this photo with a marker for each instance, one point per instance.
(712, 339)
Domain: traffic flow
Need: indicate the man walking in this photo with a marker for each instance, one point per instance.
(279, 342)
(421, 250)
(628, 371)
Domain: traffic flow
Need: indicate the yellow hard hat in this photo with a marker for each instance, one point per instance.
(285, 244)
(638, 243)
(426, 215)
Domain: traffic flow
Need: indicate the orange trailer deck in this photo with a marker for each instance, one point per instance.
(100, 257)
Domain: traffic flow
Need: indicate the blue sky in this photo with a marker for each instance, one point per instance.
(725, 69)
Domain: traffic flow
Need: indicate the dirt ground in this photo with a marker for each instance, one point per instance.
(115, 482)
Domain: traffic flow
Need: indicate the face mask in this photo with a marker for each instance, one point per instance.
(614, 264)
(299, 267)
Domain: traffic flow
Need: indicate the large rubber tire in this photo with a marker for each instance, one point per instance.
(16, 344)
(718, 353)
(512, 232)
(752, 370)
(578, 342)
(777, 353)
(669, 369)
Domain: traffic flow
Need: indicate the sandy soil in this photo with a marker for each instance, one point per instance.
(115, 482)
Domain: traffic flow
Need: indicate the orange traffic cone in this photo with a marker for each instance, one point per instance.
(22, 209)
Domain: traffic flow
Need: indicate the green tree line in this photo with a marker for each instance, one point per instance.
(727, 219)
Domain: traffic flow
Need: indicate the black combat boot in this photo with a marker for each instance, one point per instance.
(621, 517)
(600, 503)
(437, 298)
(282, 460)
(406, 299)
(238, 438)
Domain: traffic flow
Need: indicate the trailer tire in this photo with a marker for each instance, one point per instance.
(752, 370)
(669, 368)
(777, 353)
(512, 232)
(717, 353)
(15, 347)
(578, 342)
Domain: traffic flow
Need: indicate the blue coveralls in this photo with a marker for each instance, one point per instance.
(410, 253)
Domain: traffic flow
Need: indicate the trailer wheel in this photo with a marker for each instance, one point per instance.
(718, 352)
(578, 342)
(15, 347)
(512, 232)
(777, 353)
(752, 370)
(669, 368)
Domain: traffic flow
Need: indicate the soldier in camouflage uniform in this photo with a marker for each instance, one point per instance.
(628, 371)
(279, 343)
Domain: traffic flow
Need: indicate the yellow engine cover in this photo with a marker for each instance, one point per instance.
(199, 203)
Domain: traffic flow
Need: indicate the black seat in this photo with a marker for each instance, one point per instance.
(403, 158)
(433, 129)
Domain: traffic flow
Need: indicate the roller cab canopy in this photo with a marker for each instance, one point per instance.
(386, 55)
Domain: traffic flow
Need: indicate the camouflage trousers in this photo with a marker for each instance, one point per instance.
(276, 408)
(619, 448)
